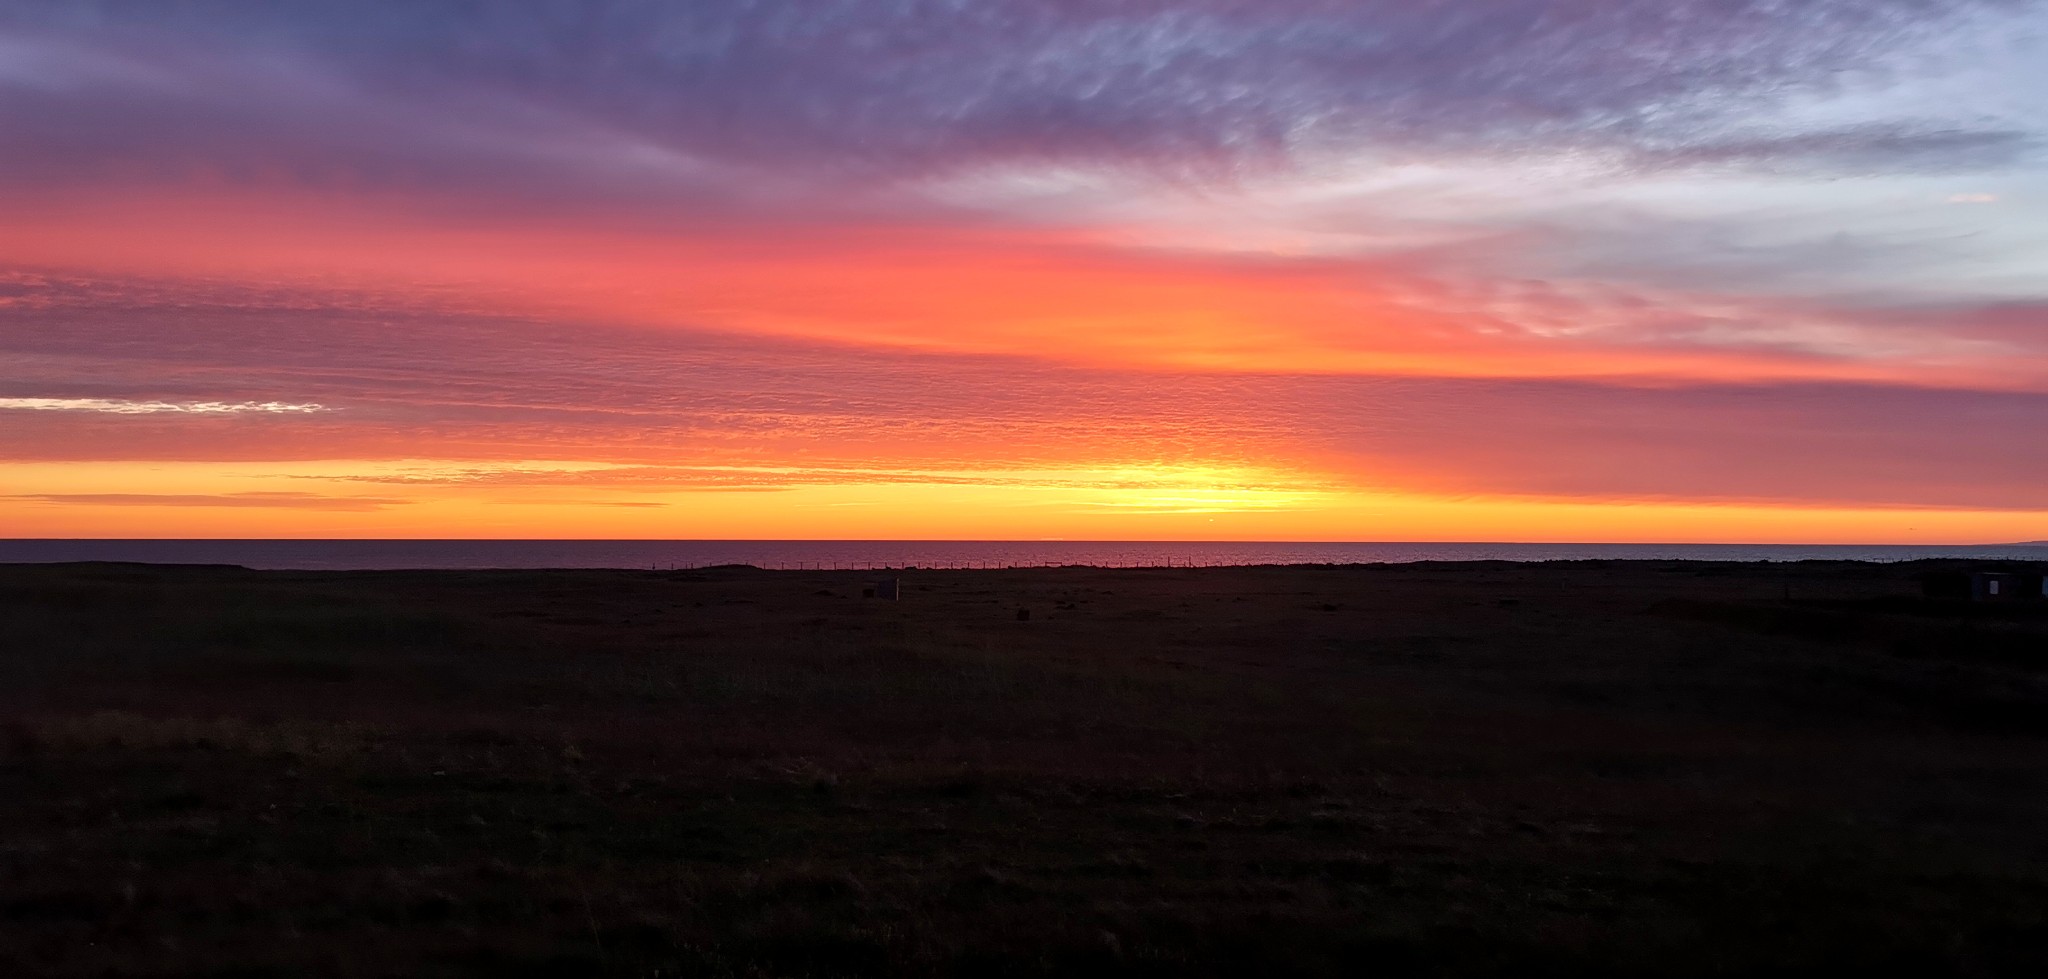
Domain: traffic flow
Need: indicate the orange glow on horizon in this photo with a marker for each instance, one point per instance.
(305, 501)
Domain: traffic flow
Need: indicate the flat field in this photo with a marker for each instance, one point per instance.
(1475, 769)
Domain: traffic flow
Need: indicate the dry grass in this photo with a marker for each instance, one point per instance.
(110, 730)
(1440, 770)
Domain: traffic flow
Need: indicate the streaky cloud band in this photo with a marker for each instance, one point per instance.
(111, 406)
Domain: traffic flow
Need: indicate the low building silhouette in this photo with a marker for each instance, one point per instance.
(1985, 586)
(2005, 586)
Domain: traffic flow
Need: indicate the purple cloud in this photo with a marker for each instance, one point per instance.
(439, 92)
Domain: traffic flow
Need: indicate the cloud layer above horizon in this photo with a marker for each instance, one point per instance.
(1111, 268)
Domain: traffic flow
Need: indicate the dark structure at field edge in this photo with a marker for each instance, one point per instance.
(1985, 586)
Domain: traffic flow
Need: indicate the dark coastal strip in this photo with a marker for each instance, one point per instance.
(1602, 767)
(848, 555)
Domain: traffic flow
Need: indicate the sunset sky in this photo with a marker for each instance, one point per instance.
(1539, 270)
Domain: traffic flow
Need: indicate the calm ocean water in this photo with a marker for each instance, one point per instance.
(317, 555)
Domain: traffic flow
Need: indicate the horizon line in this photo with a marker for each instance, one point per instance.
(1018, 540)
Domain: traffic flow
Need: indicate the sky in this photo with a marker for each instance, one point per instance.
(1533, 270)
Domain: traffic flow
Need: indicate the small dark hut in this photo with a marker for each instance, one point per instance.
(1994, 586)
(1984, 586)
(2005, 586)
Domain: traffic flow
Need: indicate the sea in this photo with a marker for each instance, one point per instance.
(336, 555)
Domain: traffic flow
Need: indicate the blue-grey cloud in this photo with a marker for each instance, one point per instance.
(1892, 148)
(514, 90)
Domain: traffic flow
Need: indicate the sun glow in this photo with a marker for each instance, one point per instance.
(444, 498)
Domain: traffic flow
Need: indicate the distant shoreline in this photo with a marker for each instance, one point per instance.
(336, 555)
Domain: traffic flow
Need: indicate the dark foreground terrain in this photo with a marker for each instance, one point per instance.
(1569, 769)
